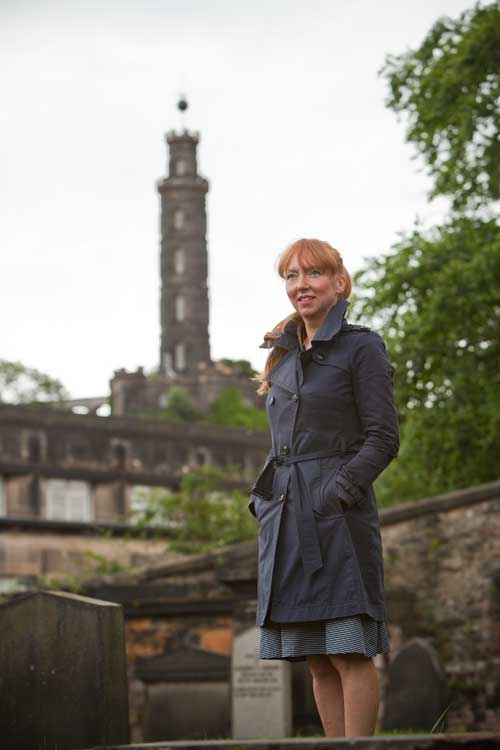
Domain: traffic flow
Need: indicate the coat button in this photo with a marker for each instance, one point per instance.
(281, 497)
(270, 400)
(319, 356)
(295, 397)
(284, 449)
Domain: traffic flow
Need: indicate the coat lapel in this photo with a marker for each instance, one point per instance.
(284, 373)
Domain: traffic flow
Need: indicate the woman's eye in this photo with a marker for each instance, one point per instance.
(315, 272)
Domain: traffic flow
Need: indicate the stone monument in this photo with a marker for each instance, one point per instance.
(261, 690)
(63, 673)
(417, 690)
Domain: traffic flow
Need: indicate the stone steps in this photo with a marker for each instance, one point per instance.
(459, 741)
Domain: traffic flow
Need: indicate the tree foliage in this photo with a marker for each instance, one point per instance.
(449, 91)
(179, 407)
(437, 299)
(230, 410)
(203, 514)
(25, 385)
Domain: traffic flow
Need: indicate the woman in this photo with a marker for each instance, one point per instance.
(334, 429)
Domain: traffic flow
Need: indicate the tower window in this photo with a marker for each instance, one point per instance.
(180, 167)
(167, 363)
(180, 308)
(180, 356)
(179, 261)
(178, 219)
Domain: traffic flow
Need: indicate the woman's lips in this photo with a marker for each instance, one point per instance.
(305, 301)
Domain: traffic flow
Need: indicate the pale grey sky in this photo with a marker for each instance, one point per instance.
(295, 141)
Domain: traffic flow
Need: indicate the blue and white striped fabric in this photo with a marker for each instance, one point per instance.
(294, 641)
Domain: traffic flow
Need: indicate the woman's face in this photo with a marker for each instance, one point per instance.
(312, 291)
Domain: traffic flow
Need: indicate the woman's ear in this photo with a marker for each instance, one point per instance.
(340, 282)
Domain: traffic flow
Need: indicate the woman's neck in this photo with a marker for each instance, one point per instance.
(307, 334)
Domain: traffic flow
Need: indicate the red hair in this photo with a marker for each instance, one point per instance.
(313, 254)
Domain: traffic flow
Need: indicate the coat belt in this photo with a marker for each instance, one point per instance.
(307, 532)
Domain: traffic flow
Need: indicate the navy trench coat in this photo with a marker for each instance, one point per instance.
(333, 432)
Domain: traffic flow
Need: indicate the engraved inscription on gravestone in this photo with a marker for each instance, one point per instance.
(252, 681)
(260, 688)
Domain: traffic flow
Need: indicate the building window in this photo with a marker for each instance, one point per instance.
(202, 456)
(3, 503)
(120, 454)
(180, 167)
(180, 308)
(180, 356)
(68, 500)
(179, 261)
(178, 219)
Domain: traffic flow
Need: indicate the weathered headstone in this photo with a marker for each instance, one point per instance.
(178, 681)
(63, 677)
(416, 688)
(261, 689)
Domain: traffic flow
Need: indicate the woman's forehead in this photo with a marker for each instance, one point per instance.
(306, 262)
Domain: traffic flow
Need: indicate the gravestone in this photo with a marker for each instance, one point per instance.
(176, 682)
(261, 689)
(416, 688)
(63, 676)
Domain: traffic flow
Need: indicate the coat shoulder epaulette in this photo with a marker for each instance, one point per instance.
(355, 327)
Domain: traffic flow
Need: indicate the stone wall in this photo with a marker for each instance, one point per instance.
(28, 553)
(442, 582)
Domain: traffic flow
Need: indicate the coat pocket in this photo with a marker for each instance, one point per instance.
(263, 487)
(326, 502)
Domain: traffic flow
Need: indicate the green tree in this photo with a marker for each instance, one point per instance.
(449, 92)
(230, 410)
(25, 385)
(203, 514)
(437, 299)
(179, 407)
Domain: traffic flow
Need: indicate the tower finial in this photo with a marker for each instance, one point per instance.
(182, 106)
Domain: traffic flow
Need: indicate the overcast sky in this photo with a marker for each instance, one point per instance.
(295, 141)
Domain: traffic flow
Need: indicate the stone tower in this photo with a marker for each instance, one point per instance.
(183, 261)
(185, 359)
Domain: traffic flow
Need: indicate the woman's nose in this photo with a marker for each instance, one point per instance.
(302, 281)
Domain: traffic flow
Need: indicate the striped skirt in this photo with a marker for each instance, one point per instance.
(294, 641)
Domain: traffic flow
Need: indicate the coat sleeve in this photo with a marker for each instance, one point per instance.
(373, 387)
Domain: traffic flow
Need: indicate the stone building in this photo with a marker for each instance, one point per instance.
(68, 483)
(68, 476)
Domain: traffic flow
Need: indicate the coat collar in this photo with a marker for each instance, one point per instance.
(284, 375)
(327, 330)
